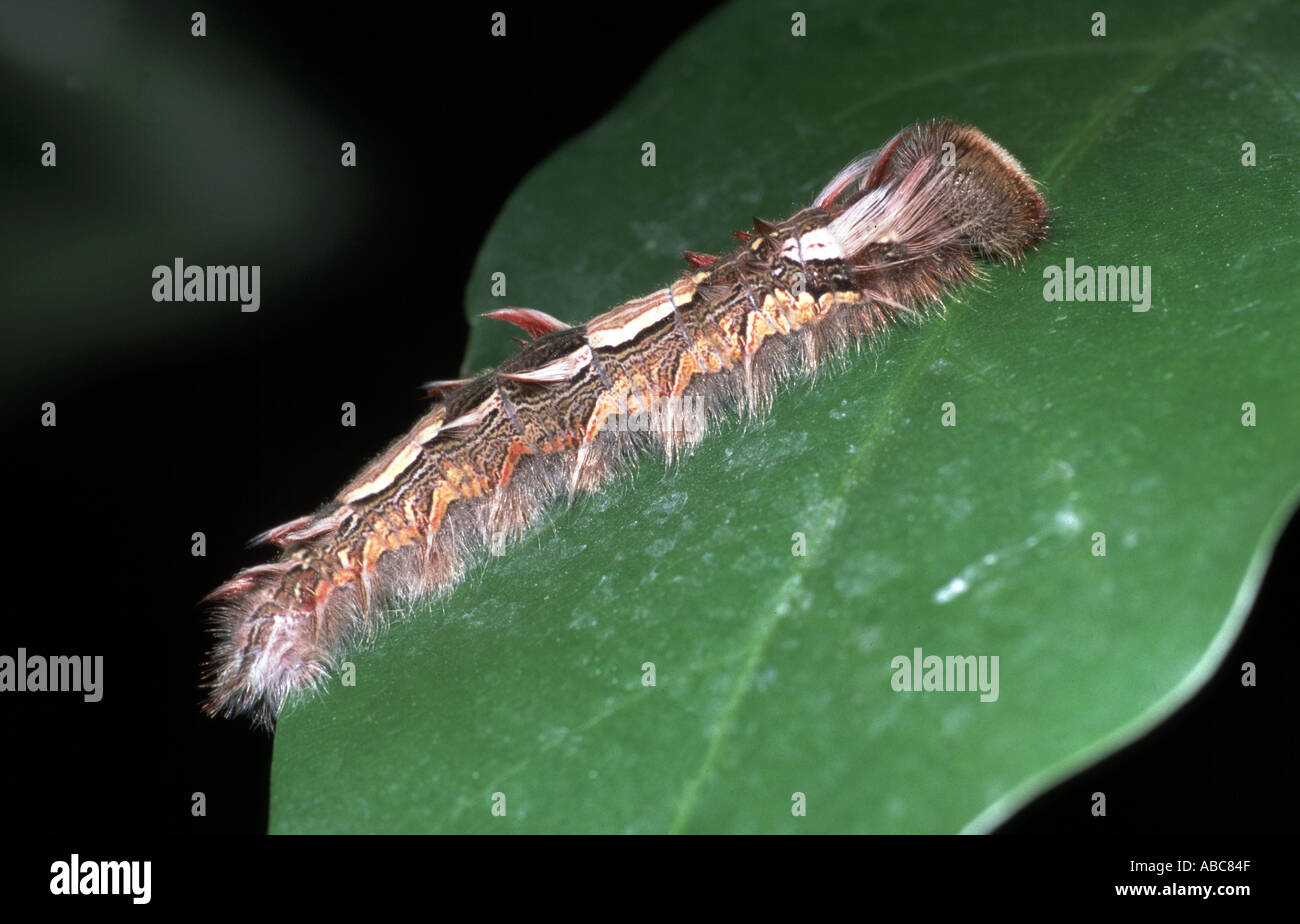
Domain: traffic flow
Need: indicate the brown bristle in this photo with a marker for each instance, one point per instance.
(699, 260)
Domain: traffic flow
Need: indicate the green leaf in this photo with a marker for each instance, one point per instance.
(773, 672)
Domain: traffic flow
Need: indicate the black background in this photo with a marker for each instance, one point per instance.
(155, 443)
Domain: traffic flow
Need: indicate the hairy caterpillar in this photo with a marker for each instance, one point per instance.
(885, 239)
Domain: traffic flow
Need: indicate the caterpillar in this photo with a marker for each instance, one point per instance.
(886, 238)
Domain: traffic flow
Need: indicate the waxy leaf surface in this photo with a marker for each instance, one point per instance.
(1073, 419)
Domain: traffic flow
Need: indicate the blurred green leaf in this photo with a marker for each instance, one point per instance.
(773, 671)
(137, 116)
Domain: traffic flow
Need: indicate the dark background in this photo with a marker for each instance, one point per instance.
(157, 416)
